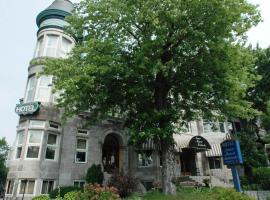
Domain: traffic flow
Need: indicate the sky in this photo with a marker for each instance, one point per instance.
(17, 42)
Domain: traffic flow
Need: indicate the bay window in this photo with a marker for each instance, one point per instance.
(52, 147)
(43, 91)
(81, 151)
(34, 144)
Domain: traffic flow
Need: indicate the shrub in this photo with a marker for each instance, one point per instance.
(125, 183)
(229, 194)
(94, 175)
(96, 192)
(61, 191)
(71, 196)
(206, 182)
(261, 176)
(41, 197)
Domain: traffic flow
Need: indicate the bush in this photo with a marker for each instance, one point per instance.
(71, 196)
(41, 197)
(126, 184)
(62, 191)
(229, 194)
(94, 175)
(206, 182)
(96, 192)
(261, 176)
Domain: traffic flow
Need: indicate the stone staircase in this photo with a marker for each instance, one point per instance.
(197, 181)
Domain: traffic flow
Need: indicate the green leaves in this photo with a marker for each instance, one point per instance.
(155, 63)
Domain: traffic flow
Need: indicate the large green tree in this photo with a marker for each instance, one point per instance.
(157, 63)
(3, 169)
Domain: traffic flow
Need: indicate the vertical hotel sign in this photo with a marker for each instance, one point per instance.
(232, 157)
(27, 108)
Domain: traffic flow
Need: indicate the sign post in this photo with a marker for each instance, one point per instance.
(232, 157)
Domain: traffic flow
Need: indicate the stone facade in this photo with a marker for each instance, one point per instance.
(48, 153)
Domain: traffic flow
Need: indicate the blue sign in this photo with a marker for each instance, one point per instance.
(232, 156)
(231, 152)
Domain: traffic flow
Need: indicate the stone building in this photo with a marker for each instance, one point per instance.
(48, 153)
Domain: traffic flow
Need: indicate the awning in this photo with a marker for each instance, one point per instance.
(214, 152)
(198, 143)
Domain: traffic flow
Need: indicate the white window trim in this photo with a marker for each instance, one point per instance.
(44, 87)
(61, 52)
(40, 47)
(35, 126)
(54, 185)
(6, 194)
(82, 134)
(27, 89)
(33, 144)
(19, 145)
(20, 128)
(26, 195)
(45, 49)
(57, 147)
(81, 150)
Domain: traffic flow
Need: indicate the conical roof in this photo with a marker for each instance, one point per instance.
(54, 15)
(64, 5)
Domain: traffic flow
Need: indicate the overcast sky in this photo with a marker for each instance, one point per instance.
(17, 43)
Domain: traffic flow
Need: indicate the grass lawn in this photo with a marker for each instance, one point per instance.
(194, 194)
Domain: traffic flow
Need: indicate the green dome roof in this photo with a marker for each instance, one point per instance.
(54, 15)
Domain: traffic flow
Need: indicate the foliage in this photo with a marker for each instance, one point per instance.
(261, 176)
(71, 196)
(157, 64)
(61, 191)
(96, 192)
(94, 174)
(260, 94)
(195, 194)
(42, 197)
(253, 155)
(230, 194)
(3, 169)
(125, 183)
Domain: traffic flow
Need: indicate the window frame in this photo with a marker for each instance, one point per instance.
(47, 180)
(214, 159)
(27, 184)
(39, 51)
(7, 186)
(28, 144)
(64, 53)
(19, 145)
(81, 150)
(48, 87)
(26, 95)
(31, 126)
(56, 47)
(56, 147)
(142, 153)
(79, 183)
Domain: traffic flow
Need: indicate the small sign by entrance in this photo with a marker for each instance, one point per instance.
(27, 108)
(198, 142)
(232, 156)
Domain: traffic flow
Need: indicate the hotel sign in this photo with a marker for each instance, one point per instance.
(27, 108)
(231, 152)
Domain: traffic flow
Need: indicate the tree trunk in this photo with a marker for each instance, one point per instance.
(168, 168)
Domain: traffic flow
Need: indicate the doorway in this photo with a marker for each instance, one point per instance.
(110, 154)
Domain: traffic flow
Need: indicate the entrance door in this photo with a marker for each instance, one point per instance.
(110, 154)
(188, 164)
